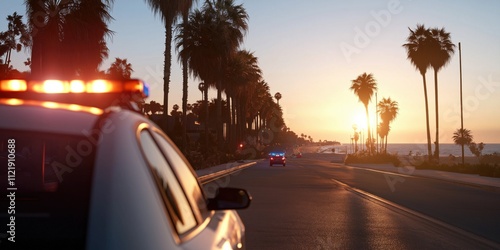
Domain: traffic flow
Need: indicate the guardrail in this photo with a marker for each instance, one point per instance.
(206, 178)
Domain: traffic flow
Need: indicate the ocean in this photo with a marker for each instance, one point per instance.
(421, 148)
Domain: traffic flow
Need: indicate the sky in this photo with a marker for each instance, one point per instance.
(310, 51)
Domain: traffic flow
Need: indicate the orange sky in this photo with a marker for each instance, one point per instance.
(311, 52)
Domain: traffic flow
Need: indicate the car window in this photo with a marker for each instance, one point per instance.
(47, 178)
(183, 170)
(175, 199)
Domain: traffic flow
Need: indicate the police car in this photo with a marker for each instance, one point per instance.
(80, 168)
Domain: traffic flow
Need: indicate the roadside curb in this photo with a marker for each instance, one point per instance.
(213, 173)
(411, 171)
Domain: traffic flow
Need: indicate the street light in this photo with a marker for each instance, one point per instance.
(201, 87)
(278, 97)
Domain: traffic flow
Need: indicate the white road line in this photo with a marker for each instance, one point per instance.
(398, 208)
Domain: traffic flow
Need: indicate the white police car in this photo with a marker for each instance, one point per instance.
(80, 169)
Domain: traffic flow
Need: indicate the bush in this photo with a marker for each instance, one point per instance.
(373, 159)
(490, 159)
(489, 170)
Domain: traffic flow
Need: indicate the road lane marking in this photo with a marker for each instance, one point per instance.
(399, 208)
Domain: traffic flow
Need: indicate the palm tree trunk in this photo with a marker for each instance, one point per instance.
(368, 126)
(184, 93)
(206, 116)
(220, 129)
(166, 72)
(429, 148)
(7, 59)
(463, 158)
(385, 147)
(437, 115)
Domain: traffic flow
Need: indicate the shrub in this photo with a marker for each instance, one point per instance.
(489, 170)
(373, 159)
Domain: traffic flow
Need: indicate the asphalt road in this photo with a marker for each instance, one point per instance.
(305, 206)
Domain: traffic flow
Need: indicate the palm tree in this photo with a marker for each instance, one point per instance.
(70, 41)
(185, 19)
(120, 69)
(9, 39)
(462, 137)
(168, 10)
(242, 76)
(388, 110)
(417, 50)
(231, 24)
(441, 49)
(211, 37)
(383, 131)
(364, 86)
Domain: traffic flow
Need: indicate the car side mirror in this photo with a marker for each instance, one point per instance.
(229, 198)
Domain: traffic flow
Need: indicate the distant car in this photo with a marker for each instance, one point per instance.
(277, 158)
(84, 169)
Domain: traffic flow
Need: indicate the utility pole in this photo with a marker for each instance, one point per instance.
(376, 117)
(461, 101)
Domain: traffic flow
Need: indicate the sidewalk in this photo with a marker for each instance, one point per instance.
(471, 179)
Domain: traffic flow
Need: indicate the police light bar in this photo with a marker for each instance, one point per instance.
(75, 86)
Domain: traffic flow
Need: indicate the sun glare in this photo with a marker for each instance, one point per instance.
(359, 121)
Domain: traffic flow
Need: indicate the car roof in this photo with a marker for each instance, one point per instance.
(50, 117)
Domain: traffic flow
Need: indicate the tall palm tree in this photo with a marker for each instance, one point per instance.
(441, 49)
(257, 99)
(388, 110)
(185, 19)
(231, 22)
(212, 35)
(417, 51)
(383, 131)
(363, 87)
(168, 11)
(241, 76)
(70, 40)
(14, 38)
(462, 137)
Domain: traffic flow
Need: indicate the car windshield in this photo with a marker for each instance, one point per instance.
(47, 181)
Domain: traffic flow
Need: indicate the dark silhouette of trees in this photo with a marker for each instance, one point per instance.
(476, 149)
(462, 137)
(429, 48)
(68, 37)
(417, 50)
(14, 39)
(441, 49)
(168, 11)
(209, 39)
(388, 110)
(363, 87)
(120, 69)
